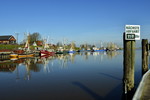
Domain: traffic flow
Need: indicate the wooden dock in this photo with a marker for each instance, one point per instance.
(143, 90)
(4, 55)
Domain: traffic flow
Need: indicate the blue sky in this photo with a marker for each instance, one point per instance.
(76, 20)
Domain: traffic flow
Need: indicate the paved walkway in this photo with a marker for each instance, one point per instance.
(143, 90)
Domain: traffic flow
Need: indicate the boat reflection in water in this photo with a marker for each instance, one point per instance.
(45, 63)
(7, 66)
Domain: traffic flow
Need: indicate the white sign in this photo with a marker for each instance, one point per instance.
(132, 32)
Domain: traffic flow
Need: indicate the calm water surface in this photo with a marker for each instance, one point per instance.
(82, 76)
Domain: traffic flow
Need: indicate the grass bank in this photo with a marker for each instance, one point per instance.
(8, 47)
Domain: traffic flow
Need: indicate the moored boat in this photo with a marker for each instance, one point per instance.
(61, 52)
(99, 50)
(25, 55)
(21, 55)
(95, 49)
(46, 52)
(71, 51)
(13, 55)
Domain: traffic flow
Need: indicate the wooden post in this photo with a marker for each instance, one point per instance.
(129, 62)
(145, 48)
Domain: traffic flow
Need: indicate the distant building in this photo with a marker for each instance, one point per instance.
(39, 43)
(7, 39)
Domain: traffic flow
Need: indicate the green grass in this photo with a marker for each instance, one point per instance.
(8, 46)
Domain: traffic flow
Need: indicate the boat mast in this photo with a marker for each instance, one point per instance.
(27, 46)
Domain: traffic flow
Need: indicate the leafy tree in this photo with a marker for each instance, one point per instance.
(34, 37)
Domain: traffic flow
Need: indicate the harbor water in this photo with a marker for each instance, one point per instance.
(78, 76)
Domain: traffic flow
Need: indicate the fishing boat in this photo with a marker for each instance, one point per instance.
(13, 55)
(45, 56)
(16, 53)
(61, 50)
(88, 50)
(47, 50)
(95, 49)
(23, 54)
(72, 49)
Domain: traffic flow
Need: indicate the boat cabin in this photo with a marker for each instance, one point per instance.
(7, 39)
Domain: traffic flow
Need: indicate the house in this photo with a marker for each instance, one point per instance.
(39, 43)
(7, 39)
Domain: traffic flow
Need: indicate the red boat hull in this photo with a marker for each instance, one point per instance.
(45, 52)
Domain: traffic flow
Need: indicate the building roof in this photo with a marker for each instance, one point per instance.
(5, 37)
